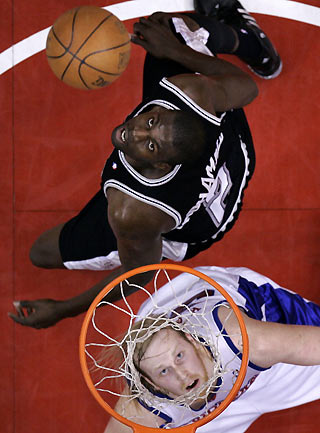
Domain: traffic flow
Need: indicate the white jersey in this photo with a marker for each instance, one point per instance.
(256, 294)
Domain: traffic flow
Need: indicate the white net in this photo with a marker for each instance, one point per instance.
(120, 334)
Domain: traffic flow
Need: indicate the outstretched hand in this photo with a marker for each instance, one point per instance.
(155, 35)
(38, 314)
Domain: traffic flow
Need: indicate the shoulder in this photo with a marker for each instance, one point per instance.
(267, 340)
(196, 86)
(136, 413)
(126, 213)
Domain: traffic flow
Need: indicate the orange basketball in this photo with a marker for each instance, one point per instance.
(88, 47)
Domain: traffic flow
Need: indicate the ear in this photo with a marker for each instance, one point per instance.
(145, 380)
(192, 341)
(189, 337)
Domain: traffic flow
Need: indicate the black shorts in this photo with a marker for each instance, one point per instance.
(87, 241)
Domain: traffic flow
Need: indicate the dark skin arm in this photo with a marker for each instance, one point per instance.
(138, 229)
(220, 86)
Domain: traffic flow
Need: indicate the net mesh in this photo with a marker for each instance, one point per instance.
(167, 303)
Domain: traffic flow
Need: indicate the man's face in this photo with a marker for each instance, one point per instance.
(174, 364)
(146, 138)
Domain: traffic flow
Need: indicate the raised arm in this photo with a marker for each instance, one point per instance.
(271, 343)
(219, 86)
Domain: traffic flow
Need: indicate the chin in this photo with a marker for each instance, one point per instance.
(113, 136)
(114, 140)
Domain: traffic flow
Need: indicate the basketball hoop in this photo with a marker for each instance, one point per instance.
(132, 311)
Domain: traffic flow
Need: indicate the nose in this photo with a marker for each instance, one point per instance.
(182, 376)
(138, 133)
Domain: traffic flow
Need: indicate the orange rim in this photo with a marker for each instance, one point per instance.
(190, 428)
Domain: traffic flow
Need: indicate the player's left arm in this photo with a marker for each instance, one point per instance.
(271, 343)
(219, 86)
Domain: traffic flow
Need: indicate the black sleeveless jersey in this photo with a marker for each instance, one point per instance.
(204, 199)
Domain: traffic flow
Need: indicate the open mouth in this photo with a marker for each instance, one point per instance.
(192, 385)
(119, 137)
(123, 135)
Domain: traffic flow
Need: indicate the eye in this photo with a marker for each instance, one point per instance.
(180, 355)
(150, 122)
(163, 372)
(151, 146)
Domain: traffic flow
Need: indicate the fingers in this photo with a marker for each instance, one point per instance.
(145, 27)
(137, 35)
(24, 316)
(29, 306)
(18, 308)
(161, 17)
(153, 36)
(40, 313)
(141, 27)
(138, 41)
(142, 32)
(18, 319)
(25, 321)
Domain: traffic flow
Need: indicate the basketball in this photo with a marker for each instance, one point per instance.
(88, 47)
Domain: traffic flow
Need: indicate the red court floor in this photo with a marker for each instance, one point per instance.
(54, 141)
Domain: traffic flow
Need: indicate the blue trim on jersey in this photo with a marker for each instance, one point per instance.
(275, 304)
(228, 340)
(156, 412)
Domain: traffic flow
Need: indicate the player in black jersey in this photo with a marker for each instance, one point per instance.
(174, 183)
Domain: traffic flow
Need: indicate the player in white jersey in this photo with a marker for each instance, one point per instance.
(284, 352)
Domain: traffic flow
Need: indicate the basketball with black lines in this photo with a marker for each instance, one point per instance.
(88, 47)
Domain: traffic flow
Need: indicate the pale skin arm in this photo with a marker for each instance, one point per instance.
(271, 343)
(136, 413)
(220, 86)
